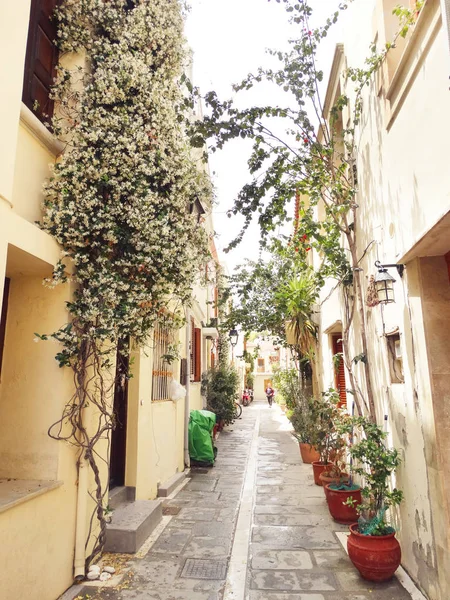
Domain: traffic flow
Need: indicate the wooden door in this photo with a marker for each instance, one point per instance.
(119, 433)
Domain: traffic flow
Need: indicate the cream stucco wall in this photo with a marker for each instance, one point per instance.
(404, 193)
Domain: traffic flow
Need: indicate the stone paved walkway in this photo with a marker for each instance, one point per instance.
(288, 535)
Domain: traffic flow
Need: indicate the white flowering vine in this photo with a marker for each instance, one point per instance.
(119, 201)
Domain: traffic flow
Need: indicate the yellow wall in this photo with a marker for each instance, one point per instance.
(38, 536)
(39, 532)
(155, 431)
(36, 550)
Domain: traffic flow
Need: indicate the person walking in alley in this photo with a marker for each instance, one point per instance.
(270, 393)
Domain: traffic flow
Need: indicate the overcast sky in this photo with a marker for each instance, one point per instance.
(229, 39)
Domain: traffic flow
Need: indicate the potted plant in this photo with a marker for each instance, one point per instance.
(327, 439)
(342, 494)
(372, 546)
(302, 419)
(336, 471)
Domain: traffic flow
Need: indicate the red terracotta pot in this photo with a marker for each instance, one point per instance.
(326, 479)
(308, 453)
(342, 513)
(318, 468)
(376, 557)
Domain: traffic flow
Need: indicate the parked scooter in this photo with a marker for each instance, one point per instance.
(245, 398)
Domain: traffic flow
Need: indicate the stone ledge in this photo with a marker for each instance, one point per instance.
(17, 491)
(131, 525)
(166, 488)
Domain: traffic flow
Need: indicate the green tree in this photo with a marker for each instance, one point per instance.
(313, 160)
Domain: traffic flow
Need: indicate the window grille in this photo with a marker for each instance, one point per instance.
(163, 338)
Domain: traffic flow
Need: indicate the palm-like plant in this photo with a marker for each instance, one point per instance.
(298, 297)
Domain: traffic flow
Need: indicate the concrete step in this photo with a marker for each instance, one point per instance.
(131, 524)
(121, 495)
(166, 488)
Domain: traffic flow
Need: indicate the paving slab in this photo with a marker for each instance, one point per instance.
(292, 581)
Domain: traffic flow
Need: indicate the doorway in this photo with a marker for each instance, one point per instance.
(120, 407)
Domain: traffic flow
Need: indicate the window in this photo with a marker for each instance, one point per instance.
(395, 357)
(41, 59)
(391, 28)
(162, 373)
(196, 352)
(260, 367)
(3, 319)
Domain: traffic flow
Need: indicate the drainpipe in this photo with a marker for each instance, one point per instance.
(80, 531)
(187, 460)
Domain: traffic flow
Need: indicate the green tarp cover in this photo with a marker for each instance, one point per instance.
(201, 424)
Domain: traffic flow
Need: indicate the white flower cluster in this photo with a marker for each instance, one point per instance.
(119, 200)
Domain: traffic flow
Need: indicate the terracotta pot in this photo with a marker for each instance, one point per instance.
(325, 479)
(318, 468)
(376, 557)
(308, 453)
(342, 513)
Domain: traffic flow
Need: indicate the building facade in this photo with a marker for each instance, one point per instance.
(44, 492)
(404, 218)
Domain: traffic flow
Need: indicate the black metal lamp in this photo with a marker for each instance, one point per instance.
(233, 335)
(384, 282)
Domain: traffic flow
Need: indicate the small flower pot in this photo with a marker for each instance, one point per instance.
(341, 512)
(326, 479)
(308, 453)
(318, 468)
(376, 557)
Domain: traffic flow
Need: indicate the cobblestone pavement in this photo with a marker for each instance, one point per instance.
(288, 535)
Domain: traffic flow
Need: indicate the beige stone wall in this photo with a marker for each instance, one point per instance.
(404, 194)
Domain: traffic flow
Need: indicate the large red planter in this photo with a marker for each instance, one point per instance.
(376, 557)
(342, 513)
(318, 468)
(308, 453)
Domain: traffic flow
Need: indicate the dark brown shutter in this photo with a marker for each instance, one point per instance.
(41, 58)
(192, 353)
(3, 319)
(198, 355)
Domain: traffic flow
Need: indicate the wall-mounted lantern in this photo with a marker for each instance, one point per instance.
(233, 335)
(384, 282)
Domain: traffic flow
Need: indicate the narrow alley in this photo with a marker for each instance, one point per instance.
(254, 526)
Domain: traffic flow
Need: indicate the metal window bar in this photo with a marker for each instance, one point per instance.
(161, 375)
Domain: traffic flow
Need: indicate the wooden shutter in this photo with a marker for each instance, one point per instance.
(192, 352)
(216, 302)
(339, 375)
(198, 354)
(3, 319)
(41, 59)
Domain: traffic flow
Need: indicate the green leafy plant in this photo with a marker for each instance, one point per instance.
(314, 162)
(289, 392)
(220, 387)
(326, 415)
(375, 463)
(302, 419)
